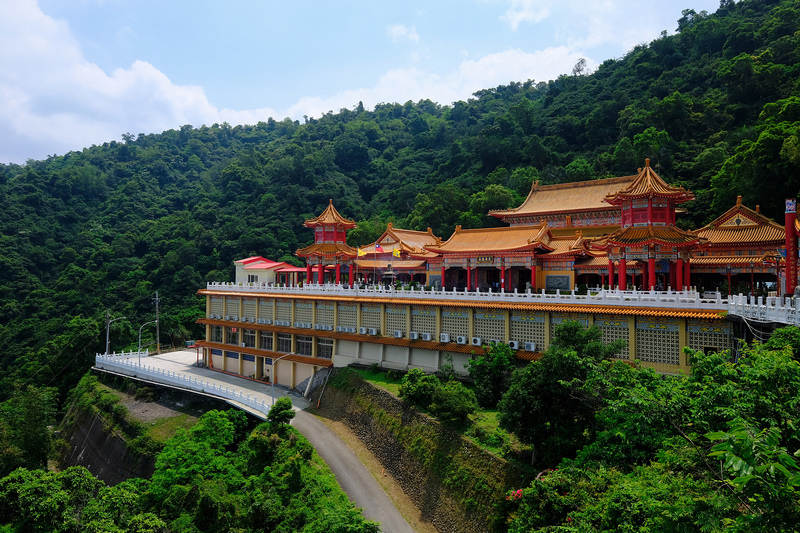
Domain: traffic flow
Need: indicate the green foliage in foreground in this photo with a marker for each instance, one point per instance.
(711, 451)
(449, 400)
(491, 373)
(211, 478)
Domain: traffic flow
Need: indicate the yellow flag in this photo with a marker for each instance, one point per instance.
(361, 252)
(396, 252)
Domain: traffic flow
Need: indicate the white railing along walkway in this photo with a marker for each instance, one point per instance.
(689, 299)
(771, 309)
(130, 366)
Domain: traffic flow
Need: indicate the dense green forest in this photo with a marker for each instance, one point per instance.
(221, 475)
(716, 107)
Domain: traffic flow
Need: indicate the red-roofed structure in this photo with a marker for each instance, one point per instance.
(329, 248)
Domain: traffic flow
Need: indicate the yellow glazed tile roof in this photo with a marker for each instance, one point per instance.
(742, 225)
(330, 217)
(396, 265)
(641, 235)
(734, 260)
(409, 242)
(566, 197)
(648, 183)
(327, 249)
(489, 240)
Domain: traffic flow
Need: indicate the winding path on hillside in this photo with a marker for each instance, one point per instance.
(354, 478)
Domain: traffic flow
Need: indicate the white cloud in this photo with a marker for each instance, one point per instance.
(404, 84)
(54, 100)
(399, 32)
(525, 11)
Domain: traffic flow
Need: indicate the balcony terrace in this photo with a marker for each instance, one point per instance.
(599, 297)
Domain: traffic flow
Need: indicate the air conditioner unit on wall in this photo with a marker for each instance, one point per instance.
(362, 331)
(514, 345)
(267, 321)
(341, 329)
(426, 336)
(461, 339)
(476, 341)
(495, 341)
(444, 337)
(374, 331)
(398, 334)
(351, 329)
(530, 346)
(227, 317)
(413, 335)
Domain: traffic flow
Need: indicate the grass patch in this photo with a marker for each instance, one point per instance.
(484, 429)
(382, 379)
(163, 429)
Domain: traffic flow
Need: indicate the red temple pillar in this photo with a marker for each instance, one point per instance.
(672, 276)
(686, 280)
(443, 284)
(679, 274)
(610, 273)
(503, 277)
(338, 273)
(320, 273)
(730, 289)
(352, 274)
(791, 245)
(651, 271)
(623, 283)
(469, 278)
(643, 284)
(308, 273)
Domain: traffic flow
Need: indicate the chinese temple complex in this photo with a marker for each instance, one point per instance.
(608, 253)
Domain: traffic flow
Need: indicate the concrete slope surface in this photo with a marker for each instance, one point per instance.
(351, 474)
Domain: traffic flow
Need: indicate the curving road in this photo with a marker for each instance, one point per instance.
(356, 481)
(351, 474)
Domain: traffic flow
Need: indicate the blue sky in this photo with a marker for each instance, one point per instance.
(79, 72)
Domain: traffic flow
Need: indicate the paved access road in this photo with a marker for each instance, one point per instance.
(356, 481)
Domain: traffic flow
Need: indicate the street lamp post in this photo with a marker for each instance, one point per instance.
(108, 327)
(273, 376)
(140, 339)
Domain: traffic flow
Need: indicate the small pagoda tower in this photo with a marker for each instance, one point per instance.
(648, 233)
(329, 248)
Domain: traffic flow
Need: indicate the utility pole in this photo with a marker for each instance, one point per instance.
(157, 300)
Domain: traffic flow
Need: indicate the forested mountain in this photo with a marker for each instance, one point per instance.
(716, 107)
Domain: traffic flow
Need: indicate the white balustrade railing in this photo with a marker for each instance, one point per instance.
(128, 366)
(124, 355)
(689, 299)
(780, 310)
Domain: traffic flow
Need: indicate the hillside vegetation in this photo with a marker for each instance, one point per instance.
(716, 107)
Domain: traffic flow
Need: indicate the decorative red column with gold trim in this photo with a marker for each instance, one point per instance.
(791, 245)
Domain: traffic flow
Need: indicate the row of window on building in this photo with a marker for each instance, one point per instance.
(272, 341)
